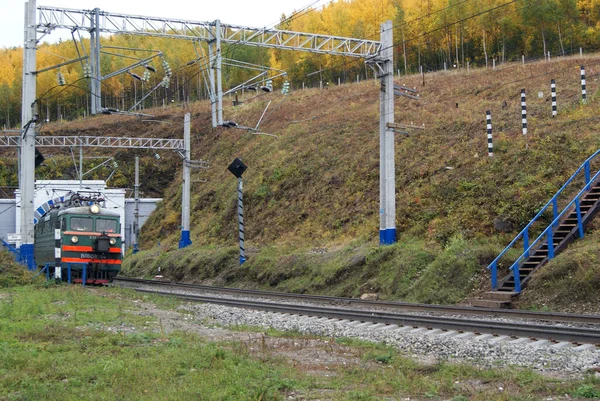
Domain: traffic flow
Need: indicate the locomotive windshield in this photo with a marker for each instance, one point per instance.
(81, 224)
(105, 225)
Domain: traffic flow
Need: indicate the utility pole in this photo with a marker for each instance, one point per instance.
(387, 173)
(216, 88)
(211, 79)
(96, 79)
(136, 211)
(219, 62)
(80, 167)
(185, 201)
(28, 119)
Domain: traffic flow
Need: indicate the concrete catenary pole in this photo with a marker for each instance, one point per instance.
(95, 81)
(136, 211)
(387, 179)
(211, 80)
(185, 202)
(27, 151)
(218, 62)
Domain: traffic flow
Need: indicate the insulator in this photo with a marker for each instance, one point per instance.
(61, 79)
(87, 71)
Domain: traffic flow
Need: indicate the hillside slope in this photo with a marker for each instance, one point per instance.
(311, 194)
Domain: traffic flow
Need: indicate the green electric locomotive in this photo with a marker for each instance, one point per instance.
(90, 240)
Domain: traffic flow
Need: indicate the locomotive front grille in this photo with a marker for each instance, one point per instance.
(102, 245)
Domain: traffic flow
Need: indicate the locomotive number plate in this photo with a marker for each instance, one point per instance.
(93, 256)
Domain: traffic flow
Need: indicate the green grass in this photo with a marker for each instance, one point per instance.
(571, 280)
(56, 344)
(71, 343)
(412, 270)
(12, 273)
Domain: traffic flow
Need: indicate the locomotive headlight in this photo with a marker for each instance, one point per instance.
(95, 209)
(112, 241)
(74, 239)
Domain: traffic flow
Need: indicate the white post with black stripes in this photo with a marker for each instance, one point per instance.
(57, 252)
(583, 90)
(241, 219)
(488, 119)
(553, 90)
(524, 111)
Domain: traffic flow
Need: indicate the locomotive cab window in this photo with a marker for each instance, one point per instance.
(106, 225)
(81, 224)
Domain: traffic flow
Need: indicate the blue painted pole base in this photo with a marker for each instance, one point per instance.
(26, 256)
(185, 239)
(387, 236)
(242, 260)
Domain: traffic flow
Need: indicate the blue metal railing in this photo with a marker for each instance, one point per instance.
(524, 234)
(11, 249)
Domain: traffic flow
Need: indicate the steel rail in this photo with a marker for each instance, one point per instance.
(575, 335)
(447, 309)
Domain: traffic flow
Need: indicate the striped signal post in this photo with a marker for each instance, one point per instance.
(553, 89)
(488, 120)
(237, 168)
(240, 209)
(524, 111)
(57, 252)
(583, 90)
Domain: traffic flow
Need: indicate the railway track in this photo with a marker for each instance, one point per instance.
(554, 334)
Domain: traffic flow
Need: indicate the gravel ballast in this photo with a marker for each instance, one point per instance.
(421, 343)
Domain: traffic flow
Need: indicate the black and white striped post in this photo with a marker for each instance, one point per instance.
(488, 120)
(553, 90)
(583, 90)
(524, 111)
(57, 252)
(241, 219)
(237, 168)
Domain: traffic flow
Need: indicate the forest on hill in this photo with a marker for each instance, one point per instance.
(427, 34)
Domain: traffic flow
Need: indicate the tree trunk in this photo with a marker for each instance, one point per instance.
(562, 48)
(456, 47)
(450, 46)
(462, 42)
(485, 50)
(404, 49)
(544, 41)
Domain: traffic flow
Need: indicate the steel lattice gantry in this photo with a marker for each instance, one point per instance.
(214, 33)
(52, 18)
(378, 54)
(98, 142)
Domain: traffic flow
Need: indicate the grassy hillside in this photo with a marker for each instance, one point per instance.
(311, 194)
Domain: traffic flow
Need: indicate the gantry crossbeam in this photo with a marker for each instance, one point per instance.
(98, 142)
(53, 18)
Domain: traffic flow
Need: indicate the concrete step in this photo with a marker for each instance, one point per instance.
(499, 296)
(486, 303)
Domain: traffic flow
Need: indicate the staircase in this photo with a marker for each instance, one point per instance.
(567, 225)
